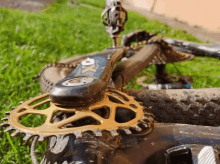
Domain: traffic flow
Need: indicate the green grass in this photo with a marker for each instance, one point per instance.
(205, 72)
(28, 41)
(97, 3)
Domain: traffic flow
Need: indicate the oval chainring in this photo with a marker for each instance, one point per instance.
(115, 111)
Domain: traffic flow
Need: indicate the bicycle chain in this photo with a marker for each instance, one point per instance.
(168, 53)
(58, 65)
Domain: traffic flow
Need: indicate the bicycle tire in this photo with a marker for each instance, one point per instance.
(194, 106)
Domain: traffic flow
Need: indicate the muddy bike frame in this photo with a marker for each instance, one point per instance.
(160, 142)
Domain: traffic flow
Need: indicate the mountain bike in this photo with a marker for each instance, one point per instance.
(91, 118)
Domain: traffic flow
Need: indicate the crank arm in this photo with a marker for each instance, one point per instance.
(126, 71)
(87, 83)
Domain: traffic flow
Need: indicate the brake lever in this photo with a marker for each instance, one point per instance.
(87, 83)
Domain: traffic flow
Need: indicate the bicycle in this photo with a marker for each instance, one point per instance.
(91, 119)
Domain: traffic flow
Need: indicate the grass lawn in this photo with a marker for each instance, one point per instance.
(28, 41)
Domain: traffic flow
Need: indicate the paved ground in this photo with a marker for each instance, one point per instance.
(37, 5)
(29, 5)
(201, 34)
(200, 13)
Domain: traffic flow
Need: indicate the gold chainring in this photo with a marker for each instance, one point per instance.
(106, 114)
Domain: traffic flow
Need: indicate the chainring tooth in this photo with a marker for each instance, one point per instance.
(4, 124)
(97, 132)
(7, 113)
(136, 128)
(145, 125)
(16, 133)
(10, 128)
(127, 131)
(78, 134)
(62, 136)
(5, 118)
(41, 138)
(27, 137)
(21, 102)
(113, 133)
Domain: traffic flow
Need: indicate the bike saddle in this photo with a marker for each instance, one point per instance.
(87, 83)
